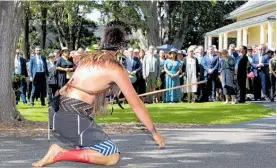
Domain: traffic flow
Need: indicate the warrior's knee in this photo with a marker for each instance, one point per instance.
(54, 146)
(113, 159)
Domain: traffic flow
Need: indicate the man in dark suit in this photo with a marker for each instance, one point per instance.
(260, 66)
(133, 65)
(38, 72)
(210, 64)
(202, 88)
(20, 70)
(241, 73)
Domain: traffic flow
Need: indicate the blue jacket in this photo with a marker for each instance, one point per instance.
(136, 66)
(33, 66)
(255, 62)
(207, 64)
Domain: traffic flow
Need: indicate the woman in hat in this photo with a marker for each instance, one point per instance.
(83, 98)
(161, 81)
(191, 70)
(173, 68)
(227, 66)
(64, 67)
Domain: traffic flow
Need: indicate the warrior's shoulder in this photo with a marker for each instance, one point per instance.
(100, 58)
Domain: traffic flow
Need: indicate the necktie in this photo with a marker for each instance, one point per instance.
(132, 62)
(39, 64)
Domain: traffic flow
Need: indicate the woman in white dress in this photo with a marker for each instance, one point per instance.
(191, 69)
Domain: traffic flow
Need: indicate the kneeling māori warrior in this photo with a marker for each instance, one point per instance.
(98, 75)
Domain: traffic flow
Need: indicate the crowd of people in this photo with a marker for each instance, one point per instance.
(235, 75)
(41, 77)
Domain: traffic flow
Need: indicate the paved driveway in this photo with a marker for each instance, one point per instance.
(248, 145)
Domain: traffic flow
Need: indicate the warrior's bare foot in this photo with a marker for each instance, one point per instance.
(49, 157)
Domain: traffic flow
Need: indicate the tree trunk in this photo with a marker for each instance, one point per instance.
(43, 27)
(26, 44)
(62, 40)
(180, 35)
(153, 29)
(11, 13)
(165, 23)
(78, 34)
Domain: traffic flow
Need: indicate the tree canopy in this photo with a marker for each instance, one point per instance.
(180, 23)
(56, 24)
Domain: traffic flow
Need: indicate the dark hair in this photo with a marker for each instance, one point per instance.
(244, 48)
(271, 52)
(113, 35)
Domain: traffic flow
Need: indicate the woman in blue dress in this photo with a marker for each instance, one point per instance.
(173, 68)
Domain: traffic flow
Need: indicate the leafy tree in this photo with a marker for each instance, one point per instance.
(68, 18)
(209, 16)
(180, 23)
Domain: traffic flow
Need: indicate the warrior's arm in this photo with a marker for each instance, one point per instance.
(120, 77)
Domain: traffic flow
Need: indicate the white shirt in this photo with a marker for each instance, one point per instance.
(211, 57)
(260, 58)
(16, 65)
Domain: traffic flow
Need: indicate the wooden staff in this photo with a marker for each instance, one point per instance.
(164, 90)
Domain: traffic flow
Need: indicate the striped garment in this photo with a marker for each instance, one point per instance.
(75, 126)
(105, 148)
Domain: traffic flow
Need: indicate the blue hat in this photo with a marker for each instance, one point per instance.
(173, 50)
(180, 52)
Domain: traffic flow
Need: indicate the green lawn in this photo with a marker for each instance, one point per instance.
(198, 113)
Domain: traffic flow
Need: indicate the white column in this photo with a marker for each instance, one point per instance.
(225, 40)
(270, 34)
(244, 36)
(206, 43)
(220, 36)
(238, 37)
(262, 33)
(209, 41)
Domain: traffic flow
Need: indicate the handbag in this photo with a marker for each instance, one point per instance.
(69, 74)
(158, 82)
(133, 78)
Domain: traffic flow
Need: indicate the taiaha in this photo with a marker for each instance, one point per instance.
(163, 90)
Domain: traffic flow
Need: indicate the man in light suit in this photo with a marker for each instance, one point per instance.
(210, 64)
(151, 71)
(133, 66)
(38, 72)
(260, 66)
(20, 69)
